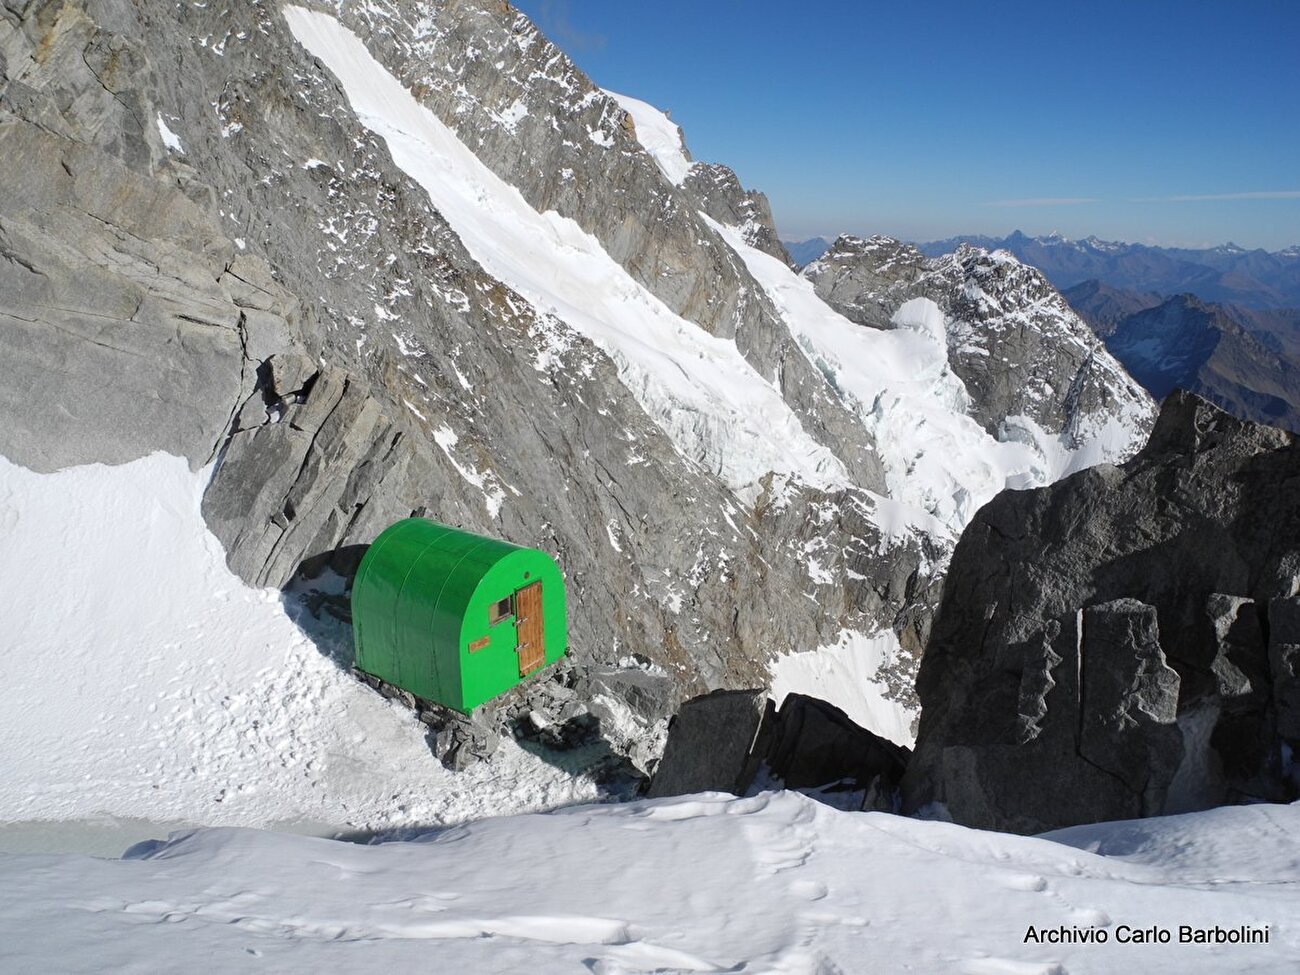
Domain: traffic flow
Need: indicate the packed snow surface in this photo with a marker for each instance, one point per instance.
(658, 135)
(717, 410)
(774, 883)
(847, 673)
(142, 680)
(938, 459)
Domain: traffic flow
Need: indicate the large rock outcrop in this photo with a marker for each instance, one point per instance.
(720, 195)
(1121, 643)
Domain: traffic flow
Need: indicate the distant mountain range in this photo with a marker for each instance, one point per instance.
(1247, 360)
(1228, 273)
(1223, 322)
(806, 251)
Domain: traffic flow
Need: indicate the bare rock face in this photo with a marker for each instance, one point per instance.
(1284, 664)
(1128, 699)
(711, 745)
(723, 198)
(1121, 643)
(811, 743)
(125, 313)
(1015, 343)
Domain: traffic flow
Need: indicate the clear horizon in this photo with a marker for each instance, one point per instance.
(1163, 123)
(829, 238)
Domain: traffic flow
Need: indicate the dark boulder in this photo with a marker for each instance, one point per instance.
(711, 744)
(721, 741)
(811, 744)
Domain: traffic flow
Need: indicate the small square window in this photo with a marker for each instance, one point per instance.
(500, 610)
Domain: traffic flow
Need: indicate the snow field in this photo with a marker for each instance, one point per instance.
(775, 883)
(142, 680)
(847, 674)
(715, 408)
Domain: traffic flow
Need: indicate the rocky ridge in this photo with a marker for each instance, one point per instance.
(719, 194)
(1015, 343)
(1104, 307)
(1247, 361)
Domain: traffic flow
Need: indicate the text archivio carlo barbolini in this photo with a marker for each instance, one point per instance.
(1182, 934)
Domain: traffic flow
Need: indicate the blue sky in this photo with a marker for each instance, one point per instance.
(1150, 120)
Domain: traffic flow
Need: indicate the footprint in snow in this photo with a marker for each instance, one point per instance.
(642, 956)
(809, 890)
(1032, 882)
(1085, 917)
(1008, 966)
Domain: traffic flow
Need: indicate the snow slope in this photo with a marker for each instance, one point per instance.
(658, 135)
(848, 674)
(716, 409)
(140, 679)
(775, 883)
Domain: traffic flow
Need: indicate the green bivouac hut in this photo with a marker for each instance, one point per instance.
(453, 617)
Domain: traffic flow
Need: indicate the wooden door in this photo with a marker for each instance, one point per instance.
(531, 636)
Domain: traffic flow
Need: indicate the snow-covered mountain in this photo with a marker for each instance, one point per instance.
(1031, 368)
(1227, 273)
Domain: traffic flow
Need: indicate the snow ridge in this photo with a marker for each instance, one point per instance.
(659, 135)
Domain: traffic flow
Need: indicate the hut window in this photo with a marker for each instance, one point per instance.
(500, 610)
